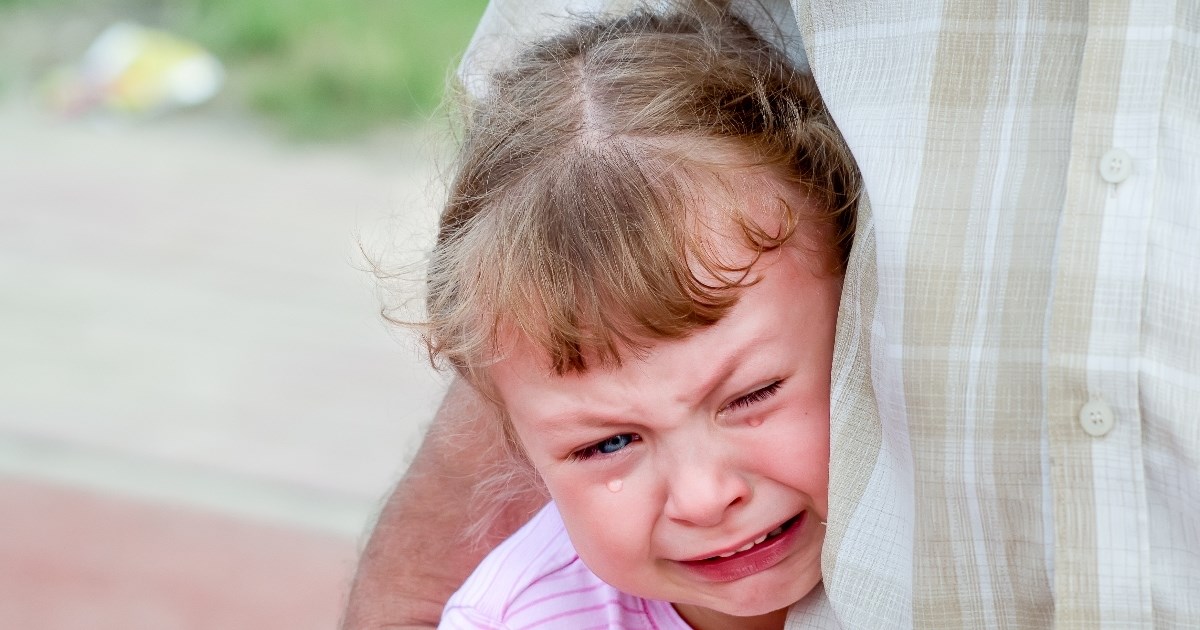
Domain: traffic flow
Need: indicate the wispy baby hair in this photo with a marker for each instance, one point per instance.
(570, 219)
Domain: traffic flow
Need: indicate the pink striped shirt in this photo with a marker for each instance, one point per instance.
(536, 580)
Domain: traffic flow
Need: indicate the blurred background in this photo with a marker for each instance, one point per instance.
(200, 407)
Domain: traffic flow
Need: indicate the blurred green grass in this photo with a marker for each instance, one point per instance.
(318, 69)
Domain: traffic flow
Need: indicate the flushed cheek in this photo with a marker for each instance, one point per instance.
(607, 520)
(617, 533)
(616, 552)
(802, 470)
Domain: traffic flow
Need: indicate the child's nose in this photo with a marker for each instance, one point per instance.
(703, 489)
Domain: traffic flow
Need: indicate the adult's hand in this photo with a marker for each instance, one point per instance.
(429, 536)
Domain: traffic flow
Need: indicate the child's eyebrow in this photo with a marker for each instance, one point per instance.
(729, 363)
(574, 420)
(563, 422)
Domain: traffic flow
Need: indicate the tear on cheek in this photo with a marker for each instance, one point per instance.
(615, 485)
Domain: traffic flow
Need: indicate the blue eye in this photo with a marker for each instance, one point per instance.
(615, 443)
(606, 447)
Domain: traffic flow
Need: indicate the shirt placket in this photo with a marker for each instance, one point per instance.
(1102, 570)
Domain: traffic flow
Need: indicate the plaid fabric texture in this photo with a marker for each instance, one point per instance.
(1028, 325)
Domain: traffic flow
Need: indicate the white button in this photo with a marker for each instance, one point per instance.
(1096, 418)
(1115, 166)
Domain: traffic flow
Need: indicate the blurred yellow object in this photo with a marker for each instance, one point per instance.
(132, 69)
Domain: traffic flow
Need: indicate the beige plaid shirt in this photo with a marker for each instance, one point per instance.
(1016, 419)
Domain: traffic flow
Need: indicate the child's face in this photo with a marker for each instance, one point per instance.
(697, 450)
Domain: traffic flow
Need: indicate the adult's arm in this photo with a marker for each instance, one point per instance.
(421, 548)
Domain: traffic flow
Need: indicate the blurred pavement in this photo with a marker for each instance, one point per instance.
(200, 407)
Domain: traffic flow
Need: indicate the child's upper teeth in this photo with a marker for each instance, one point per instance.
(776, 532)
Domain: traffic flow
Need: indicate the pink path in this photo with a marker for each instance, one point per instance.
(75, 560)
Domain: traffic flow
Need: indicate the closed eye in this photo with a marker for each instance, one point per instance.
(755, 396)
(606, 447)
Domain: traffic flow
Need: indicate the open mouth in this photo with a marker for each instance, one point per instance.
(765, 538)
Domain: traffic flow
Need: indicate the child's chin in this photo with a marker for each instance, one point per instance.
(772, 599)
(730, 609)
(763, 607)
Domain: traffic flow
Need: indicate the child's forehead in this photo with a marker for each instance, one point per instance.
(733, 191)
(755, 326)
(722, 207)
(516, 350)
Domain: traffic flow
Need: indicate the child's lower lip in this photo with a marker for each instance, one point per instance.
(758, 558)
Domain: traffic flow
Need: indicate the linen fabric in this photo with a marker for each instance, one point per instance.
(1024, 313)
